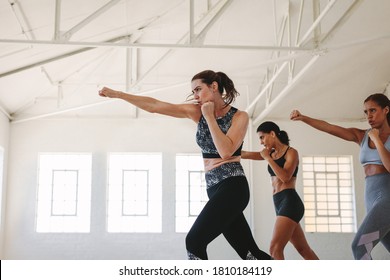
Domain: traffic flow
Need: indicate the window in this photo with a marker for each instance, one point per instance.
(64, 193)
(134, 193)
(191, 195)
(328, 194)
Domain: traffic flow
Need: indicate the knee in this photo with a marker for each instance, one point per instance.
(190, 242)
(355, 242)
(196, 249)
(354, 247)
(276, 248)
(194, 242)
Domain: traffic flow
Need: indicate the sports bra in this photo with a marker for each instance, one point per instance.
(369, 155)
(205, 140)
(280, 162)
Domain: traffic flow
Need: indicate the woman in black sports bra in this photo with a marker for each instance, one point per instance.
(283, 163)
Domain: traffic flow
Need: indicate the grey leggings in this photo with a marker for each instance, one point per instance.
(375, 227)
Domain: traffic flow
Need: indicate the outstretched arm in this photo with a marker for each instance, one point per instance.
(348, 134)
(152, 105)
(251, 155)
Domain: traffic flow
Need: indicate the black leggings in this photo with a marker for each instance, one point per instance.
(223, 213)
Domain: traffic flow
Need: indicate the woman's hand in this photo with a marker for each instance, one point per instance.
(208, 109)
(265, 154)
(374, 135)
(107, 92)
(296, 115)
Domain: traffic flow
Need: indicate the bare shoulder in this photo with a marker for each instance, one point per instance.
(242, 115)
(359, 134)
(292, 152)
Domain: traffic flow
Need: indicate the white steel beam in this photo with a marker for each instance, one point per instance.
(57, 20)
(48, 60)
(151, 45)
(68, 34)
(343, 19)
(4, 111)
(191, 32)
(316, 22)
(265, 88)
(287, 88)
(216, 9)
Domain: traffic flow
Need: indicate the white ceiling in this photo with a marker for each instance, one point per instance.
(321, 56)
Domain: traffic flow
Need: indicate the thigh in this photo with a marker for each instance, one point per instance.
(283, 230)
(298, 238)
(224, 206)
(238, 232)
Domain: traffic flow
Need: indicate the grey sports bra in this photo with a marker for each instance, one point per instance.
(369, 155)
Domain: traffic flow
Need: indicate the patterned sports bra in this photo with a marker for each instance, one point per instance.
(204, 139)
(206, 143)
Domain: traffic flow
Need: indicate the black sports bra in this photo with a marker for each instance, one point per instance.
(280, 162)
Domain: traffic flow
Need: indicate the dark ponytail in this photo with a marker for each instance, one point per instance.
(223, 81)
(382, 101)
(267, 127)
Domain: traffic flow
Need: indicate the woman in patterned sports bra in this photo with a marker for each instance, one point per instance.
(220, 134)
(283, 167)
(375, 158)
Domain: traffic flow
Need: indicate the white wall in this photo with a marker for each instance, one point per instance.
(168, 136)
(4, 136)
(309, 141)
(99, 137)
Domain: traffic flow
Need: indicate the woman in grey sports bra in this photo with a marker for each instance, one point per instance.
(375, 158)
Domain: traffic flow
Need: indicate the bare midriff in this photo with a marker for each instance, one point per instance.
(278, 185)
(374, 169)
(211, 163)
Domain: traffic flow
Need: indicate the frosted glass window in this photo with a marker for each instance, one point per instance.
(191, 195)
(328, 194)
(64, 193)
(134, 192)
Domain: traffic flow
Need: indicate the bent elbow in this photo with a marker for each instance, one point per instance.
(226, 156)
(285, 179)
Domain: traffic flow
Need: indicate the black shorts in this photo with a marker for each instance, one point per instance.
(288, 204)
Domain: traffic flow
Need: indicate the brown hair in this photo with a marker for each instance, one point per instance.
(223, 81)
(382, 101)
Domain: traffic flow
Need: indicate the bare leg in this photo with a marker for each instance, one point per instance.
(299, 241)
(283, 231)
